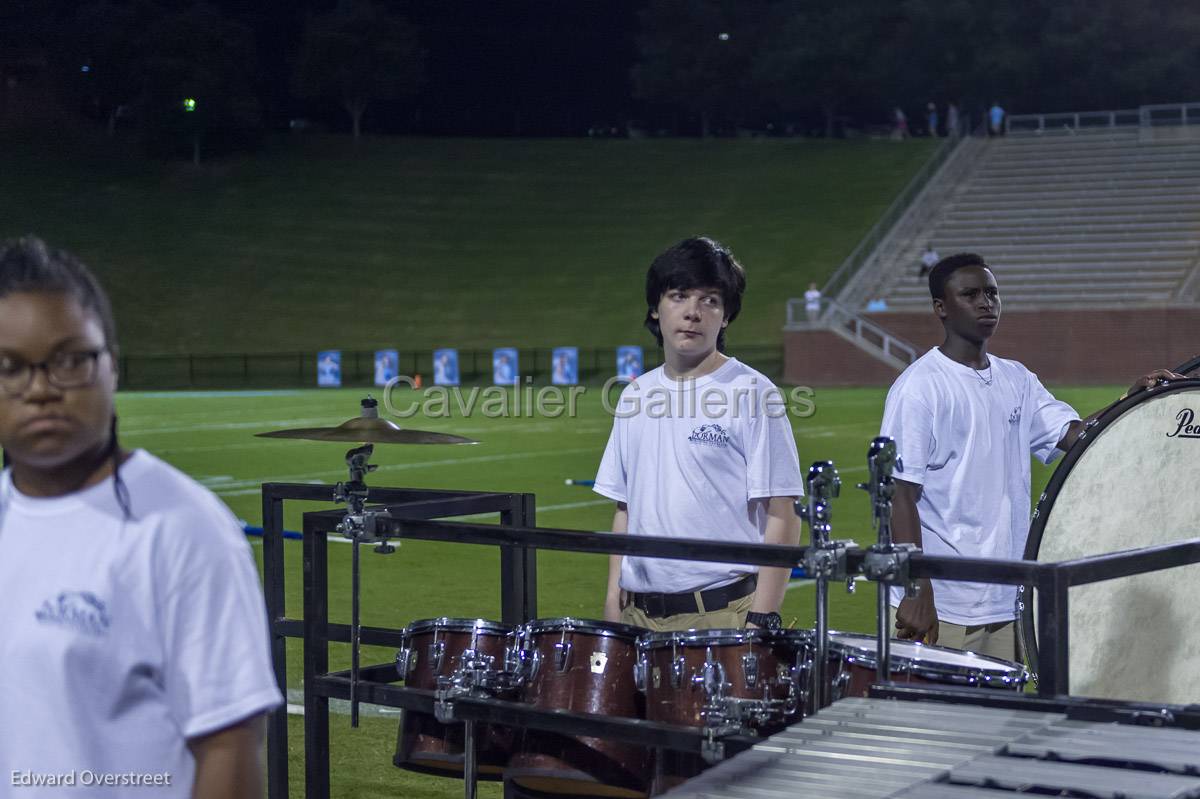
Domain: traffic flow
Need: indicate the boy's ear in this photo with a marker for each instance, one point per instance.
(653, 314)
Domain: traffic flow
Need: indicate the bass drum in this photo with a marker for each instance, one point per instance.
(1132, 482)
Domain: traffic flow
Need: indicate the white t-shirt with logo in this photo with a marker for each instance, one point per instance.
(698, 458)
(120, 639)
(967, 444)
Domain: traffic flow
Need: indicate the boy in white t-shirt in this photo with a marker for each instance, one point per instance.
(133, 634)
(965, 423)
(701, 447)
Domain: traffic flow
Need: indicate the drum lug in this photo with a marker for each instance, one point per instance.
(404, 662)
(750, 669)
(678, 665)
(437, 652)
(562, 655)
(840, 683)
(534, 663)
(711, 676)
(639, 675)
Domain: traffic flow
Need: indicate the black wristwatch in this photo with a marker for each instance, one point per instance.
(767, 621)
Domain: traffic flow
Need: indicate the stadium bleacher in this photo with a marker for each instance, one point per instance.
(1090, 219)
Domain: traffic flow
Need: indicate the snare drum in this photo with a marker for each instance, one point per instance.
(754, 679)
(584, 667)
(853, 659)
(438, 648)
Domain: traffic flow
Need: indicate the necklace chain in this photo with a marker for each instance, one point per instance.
(987, 381)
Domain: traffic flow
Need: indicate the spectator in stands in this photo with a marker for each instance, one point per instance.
(995, 119)
(877, 304)
(812, 302)
(928, 259)
(952, 122)
(134, 632)
(900, 119)
(931, 116)
(965, 423)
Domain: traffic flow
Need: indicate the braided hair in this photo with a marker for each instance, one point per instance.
(28, 264)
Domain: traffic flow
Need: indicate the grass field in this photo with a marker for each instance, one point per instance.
(417, 243)
(209, 437)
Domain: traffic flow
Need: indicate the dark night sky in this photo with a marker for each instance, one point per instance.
(562, 65)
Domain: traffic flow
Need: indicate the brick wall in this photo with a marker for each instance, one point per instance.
(1067, 346)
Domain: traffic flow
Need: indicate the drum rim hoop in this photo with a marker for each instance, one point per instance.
(1045, 504)
(458, 624)
(613, 629)
(719, 635)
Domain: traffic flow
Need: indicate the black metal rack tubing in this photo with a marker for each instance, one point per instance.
(1077, 708)
(519, 541)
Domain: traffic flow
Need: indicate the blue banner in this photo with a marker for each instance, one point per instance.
(629, 362)
(445, 367)
(387, 366)
(504, 366)
(329, 368)
(565, 366)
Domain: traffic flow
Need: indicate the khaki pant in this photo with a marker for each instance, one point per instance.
(997, 640)
(731, 616)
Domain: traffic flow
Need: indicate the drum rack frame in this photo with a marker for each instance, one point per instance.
(413, 513)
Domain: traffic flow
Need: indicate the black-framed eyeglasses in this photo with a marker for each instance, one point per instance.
(67, 369)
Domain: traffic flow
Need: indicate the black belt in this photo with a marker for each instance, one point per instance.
(658, 606)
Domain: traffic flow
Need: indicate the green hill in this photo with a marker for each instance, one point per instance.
(428, 242)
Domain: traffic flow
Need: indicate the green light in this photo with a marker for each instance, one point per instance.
(189, 104)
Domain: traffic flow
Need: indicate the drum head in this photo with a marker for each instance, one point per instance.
(924, 657)
(1132, 483)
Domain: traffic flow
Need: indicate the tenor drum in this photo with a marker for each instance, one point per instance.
(439, 649)
(853, 660)
(754, 679)
(1132, 482)
(580, 666)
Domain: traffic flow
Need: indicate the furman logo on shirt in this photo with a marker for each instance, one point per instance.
(710, 435)
(1015, 416)
(83, 611)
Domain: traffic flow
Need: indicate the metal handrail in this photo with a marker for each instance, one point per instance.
(1071, 122)
(835, 315)
(866, 246)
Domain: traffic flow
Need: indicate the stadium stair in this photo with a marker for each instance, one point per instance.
(1093, 219)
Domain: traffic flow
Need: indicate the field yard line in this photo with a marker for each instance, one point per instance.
(271, 424)
(246, 489)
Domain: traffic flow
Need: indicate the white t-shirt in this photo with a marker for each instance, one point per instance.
(930, 258)
(968, 445)
(812, 300)
(121, 639)
(698, 459)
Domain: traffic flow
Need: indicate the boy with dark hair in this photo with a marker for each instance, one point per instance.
(701, 447)
(965, 423)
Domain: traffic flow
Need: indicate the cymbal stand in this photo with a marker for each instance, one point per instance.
(824, 561)
(885, 561)
(358, 526)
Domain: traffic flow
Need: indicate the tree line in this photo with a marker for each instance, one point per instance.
(187, 75)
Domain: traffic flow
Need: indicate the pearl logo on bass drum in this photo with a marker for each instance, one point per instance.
(1186, 426)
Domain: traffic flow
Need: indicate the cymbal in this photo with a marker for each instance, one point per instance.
(368, 431)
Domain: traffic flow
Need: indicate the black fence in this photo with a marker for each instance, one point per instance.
(299, 369)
